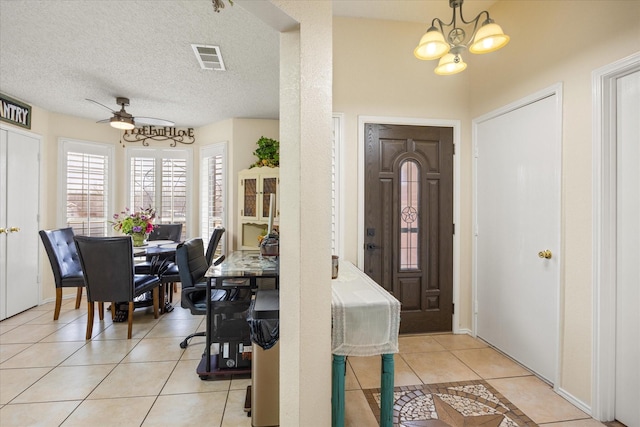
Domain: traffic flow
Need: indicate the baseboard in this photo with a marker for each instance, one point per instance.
(574, 400)
(463, 332)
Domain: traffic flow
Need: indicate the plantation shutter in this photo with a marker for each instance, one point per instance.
(212, 196)
(159, 179)
(85, 185)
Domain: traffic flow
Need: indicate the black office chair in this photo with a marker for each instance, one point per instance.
(192, 265)
(214, 241)
(107, 265)
(65, 264)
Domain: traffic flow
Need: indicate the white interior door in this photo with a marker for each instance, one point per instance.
(517, 216)
(21, 210)
(627, 409)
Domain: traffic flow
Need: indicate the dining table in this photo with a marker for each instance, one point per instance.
(164, 249)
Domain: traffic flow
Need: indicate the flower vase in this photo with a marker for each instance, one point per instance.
(138, 239)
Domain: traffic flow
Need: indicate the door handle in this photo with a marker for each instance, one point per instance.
(14, 229)
(545, 254)
(371, 246)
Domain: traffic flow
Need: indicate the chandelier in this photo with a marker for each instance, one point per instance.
(484, 38)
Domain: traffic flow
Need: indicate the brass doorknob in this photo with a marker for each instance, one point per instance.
(545, 254)
(14, 229)
(3, 230)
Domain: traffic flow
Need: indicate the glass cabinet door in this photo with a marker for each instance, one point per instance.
(250, 197)
(269, 186)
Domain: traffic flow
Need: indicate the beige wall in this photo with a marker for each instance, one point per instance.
(552, 41)
(241, 136)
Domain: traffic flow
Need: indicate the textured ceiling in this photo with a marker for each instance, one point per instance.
(56, 53)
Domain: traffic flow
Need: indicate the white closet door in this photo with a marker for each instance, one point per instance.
(21, 218)
(628, 251)
(518, 216)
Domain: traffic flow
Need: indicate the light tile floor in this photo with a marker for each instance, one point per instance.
(51, 376)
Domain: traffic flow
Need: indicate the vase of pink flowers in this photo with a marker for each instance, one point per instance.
(137, 224)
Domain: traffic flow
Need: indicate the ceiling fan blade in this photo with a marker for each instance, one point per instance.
(102, 105)
(103, 121)
(153, 122)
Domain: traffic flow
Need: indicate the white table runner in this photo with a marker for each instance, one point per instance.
(366, 318)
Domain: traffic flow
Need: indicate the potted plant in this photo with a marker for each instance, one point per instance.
(268, 153)
(138, 225)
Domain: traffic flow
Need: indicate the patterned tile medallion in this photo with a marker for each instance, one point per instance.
(458, 404)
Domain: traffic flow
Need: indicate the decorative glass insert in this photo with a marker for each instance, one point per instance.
(269, 186)
(250, 196)
(409, 214)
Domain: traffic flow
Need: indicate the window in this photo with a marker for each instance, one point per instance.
(85, 185)
(158, 178)
(213, 192)
(409, 214)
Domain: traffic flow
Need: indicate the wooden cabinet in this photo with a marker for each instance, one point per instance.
(255, 187)
(19, 215)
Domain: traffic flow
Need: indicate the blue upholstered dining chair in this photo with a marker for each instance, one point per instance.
(65, 264)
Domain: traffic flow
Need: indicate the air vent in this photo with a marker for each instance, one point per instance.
(209, 57)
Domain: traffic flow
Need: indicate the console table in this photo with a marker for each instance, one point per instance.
(366, 320)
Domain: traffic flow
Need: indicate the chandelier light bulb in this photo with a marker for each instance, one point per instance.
(489, 38)
(450, 64)
(432, 45)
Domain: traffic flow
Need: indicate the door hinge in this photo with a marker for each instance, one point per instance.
(454, 149)
(454, 229)
(453, 308)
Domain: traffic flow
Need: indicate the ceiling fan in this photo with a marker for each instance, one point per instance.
(125, 121)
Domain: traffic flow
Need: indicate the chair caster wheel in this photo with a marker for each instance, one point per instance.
(204, 377)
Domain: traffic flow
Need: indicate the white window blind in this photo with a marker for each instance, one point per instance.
(213, 192)
(85, 186)
(158, 178)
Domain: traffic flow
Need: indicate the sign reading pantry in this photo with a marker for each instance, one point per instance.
(15, 112)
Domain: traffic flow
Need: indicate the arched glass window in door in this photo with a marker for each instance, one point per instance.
(409, 214)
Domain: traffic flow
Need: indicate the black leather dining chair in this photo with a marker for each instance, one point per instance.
(107, 265)
(65, 264)
(192, 265)
(168, 273)
(166, 232)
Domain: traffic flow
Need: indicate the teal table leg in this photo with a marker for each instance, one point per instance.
(337, 391)
(386, 391)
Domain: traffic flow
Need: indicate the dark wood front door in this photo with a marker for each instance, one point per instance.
(409, 220)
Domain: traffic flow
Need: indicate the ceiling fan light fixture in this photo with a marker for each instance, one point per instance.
(122, 123)
(489, 38)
